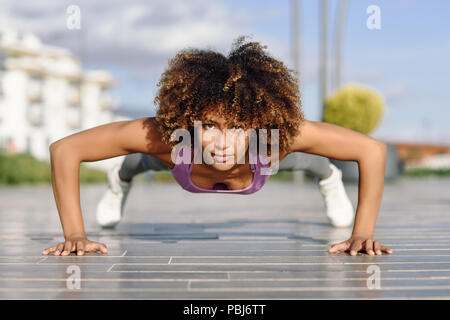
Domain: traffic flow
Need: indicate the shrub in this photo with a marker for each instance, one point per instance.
(23, 168)
(354, 107)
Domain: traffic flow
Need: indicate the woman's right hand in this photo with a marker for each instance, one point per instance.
(79, 244)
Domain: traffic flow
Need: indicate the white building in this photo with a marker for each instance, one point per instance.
(45, 95)
(439, 161)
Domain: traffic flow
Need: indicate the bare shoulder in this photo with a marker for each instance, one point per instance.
(143, 136)
(304, 138)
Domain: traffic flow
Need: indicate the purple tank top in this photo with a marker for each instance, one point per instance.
(182, 174)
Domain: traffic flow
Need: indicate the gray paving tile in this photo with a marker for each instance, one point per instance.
(61, 267)
(338, 275)
(83, 260)
(269, 245)
(93, 284)
(331, 283)
(332, 258)
(181, 294)
(44, 275)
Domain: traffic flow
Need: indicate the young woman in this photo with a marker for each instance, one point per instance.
(230, 96)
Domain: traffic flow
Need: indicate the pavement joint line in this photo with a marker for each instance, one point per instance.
(418, 270)
(235, 289)
(228, 263)
(398, 262)
(233, 263)
(43, 259)
(226, 242)
(218, 279)
(364, 288)
(341, 254)
(192, 271)
(265, 271)
(227, 256)
(320, 279)
(99, 280)
(287, 263)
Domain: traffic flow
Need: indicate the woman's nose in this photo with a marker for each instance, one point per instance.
(223, 142)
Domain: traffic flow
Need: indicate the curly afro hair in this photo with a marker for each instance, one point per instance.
(249, 87)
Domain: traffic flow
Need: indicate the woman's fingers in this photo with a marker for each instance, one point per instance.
(67, 248)
(80, 248)
(59, 249)
(386, 249)
(49, 250)
(355, 247)
(342, 246)
(377, 247)
(103, 248)
(96, 246)
(369, 247)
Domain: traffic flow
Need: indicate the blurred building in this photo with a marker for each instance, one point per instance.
(416, 153)
(45, 95)
(424, 156)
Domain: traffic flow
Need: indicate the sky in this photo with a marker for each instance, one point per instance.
(406, 60)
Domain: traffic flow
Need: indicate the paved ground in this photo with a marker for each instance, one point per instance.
(273, 244)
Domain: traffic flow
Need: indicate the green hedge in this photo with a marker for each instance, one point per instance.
(354, 107)
(23, 168)
(427, 172)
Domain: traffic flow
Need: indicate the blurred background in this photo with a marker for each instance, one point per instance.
(377, 67)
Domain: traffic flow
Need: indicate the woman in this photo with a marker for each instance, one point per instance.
(229, 97)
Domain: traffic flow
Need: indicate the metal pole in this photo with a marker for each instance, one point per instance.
(323, 53)
(338, 45)
(295, 42)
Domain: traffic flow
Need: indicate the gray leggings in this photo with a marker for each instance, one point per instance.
(318, 166)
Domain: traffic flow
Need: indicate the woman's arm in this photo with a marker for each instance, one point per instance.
(98, 143)
(336, 142)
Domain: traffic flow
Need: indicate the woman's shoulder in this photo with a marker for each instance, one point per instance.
(153, 137)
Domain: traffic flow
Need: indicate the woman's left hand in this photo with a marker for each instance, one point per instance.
(357, 243)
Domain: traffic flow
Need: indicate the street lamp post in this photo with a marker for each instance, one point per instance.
(323, 26)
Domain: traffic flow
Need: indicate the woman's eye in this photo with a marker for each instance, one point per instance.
(208, 125)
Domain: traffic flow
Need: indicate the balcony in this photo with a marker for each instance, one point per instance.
(34, 90)
(74, 95)
(107, 102)
(35, 114)
(73, 117)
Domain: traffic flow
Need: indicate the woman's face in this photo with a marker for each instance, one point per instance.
(224, 144)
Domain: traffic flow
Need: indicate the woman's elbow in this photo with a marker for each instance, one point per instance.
(376, 150)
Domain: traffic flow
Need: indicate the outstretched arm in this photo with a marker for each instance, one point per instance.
(98, 143)
(336, 142)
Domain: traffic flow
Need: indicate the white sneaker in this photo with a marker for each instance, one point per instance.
(110, 207)
(339, 207)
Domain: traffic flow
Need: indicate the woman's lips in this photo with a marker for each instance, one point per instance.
(221, 156)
